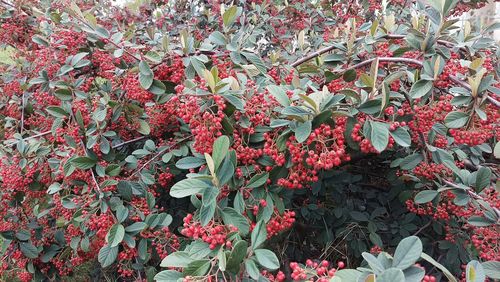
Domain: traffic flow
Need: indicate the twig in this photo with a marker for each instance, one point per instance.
(128, 142)
(22, 113)
(384, 59)
(8, 4)
(330, 48)
(422, 228)
(91, 170)
(38, 135)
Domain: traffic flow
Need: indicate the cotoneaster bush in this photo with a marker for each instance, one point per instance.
(248, 140)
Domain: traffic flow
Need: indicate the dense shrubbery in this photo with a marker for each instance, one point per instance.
(254, 140)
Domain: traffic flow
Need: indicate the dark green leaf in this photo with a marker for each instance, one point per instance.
(425, 196)
(420, 88)
(232, 217)
(190, 162)
(188, 187)
(107, 255)
(267, 259)
(407, 253)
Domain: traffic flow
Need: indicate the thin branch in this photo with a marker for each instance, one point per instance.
(422, 228)
(384, 59)
(330, 48)
(38, 135)
(23, 104)
(91, 169)
(128, 142)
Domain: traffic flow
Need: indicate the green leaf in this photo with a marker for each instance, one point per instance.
(295, 111)
(391, 275)
(168, 276)
(444, 157)
(420, 88)
(113, 170)
(188, 187)
(157, 87)
(475, 272)
(121, 213)
(414, 274)
(411, 161)
(236, 101)
(239, 202)
(136, 227)
(407, 253)
(207, 209)
(479, 221)
(190, 162)
(29, 250)
(125, 190)
(259, 234)
(217, 37)
(303, 131)
(252, 269)
(57, 112)
(349, 75)
(237, 256)
(482, 178)
(370, 107)
(279, 94)
(425, 196)
(115, 235)
(267, 259)
(456, 119)
(492, 269)
(378, 135)
(177, 259)
(222, 259)
(231, 217)
(145, 69)
(54, 188)
(107, 255)
(83, 162)
(258, 180)
(77, 58)
(401, 136)
(220, 149)
(197, 268)
(146, 75)
(372, 261)
(445, 271)
(348, 274)
(229, 16)
(144, 128)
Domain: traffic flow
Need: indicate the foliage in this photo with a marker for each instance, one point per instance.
(202, 140)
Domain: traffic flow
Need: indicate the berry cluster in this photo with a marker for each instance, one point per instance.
(213, 234)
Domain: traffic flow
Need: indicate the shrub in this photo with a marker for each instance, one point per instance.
(259, 140)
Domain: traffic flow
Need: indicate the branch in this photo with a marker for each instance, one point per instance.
(128, 142)
(37, 135)
(384, 59)
(329, 48)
